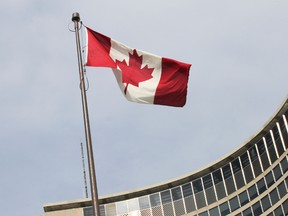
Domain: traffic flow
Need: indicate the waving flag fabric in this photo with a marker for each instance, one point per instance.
(142, 77)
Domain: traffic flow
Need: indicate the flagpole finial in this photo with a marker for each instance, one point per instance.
(76, 17)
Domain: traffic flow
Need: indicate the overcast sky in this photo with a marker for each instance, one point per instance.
(239, 52)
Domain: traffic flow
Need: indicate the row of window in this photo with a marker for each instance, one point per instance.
(222, 182)
(266, 202)
(248, 195)
(175, 195)
(280, 210)
(185, 205)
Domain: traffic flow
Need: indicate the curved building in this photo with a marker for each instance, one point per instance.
(251, 180)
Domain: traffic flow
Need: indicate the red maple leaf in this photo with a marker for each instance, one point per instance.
(133, 73)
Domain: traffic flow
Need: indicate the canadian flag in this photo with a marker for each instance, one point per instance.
(142, 77)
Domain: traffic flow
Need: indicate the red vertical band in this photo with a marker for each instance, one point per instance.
(172, 87)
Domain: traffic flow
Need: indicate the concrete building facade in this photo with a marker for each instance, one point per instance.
(251, 180)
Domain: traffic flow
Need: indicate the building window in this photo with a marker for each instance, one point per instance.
(261, 186)
(243, 197)
(209, 189)
(190, 204)
(271, 148)
(277, 172)
(102, 210)
(253, 153)
(144, 203)
(204, 213)
(278, 141)
(234, 204)
(122, 207)
(228, 179)
(266, 204)
(207, 181)
(252, 192)
(274, 196)
(187, 190)
(88, 211)
(176, 193)
(165, 197)
(285, 207)
(188, 198)
(217, 177)
(154, 200)
(269, 179)
(197, 186)
(214, 211)
(133, 205)
(227, 171)
(284, 165)
(257, 210)
(179, 207)
(282, 190)
(220, 190)
(263, 154)
(246, 166)
(278, 211)
(210, 195)
(284, 132)
(255, 161)
(167, 205)
(247, 212)
(199, 194)
(200, 200)
(236, 167)
(224, 209)
(111, 209)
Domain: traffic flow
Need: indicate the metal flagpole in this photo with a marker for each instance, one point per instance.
(92, 173)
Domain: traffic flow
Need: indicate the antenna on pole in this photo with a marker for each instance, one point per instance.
(84, 171)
